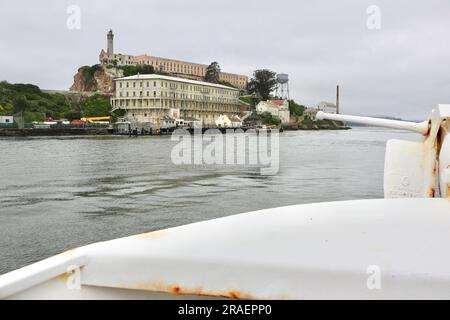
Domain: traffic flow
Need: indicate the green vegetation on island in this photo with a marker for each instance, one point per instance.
(29, 101)
(296, 110)
(263, 119)
(246, 99)
(137, 69)
(95, 106)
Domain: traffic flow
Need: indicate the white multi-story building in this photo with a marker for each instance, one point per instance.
(277, 108)
(149, 97)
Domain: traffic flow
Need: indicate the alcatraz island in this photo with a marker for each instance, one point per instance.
(144, 94)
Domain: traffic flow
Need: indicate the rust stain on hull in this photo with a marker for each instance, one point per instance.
(431, 193)
(180, 290)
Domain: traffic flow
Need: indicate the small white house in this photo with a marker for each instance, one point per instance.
(327, 107)
(277, 108)
(236, 122)
(167, 122)
(224, 121)
(6, 119)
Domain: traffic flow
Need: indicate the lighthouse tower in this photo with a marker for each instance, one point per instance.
(110, 36)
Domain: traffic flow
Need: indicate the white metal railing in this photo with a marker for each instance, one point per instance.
(418, 127)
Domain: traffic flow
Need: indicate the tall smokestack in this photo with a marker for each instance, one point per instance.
(337, 99)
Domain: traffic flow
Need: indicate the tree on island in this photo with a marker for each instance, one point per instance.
(263, 83)
(20, 104)
(95, 106)
(7, 108)
(212, 73)
(135, 69)
(296, 109)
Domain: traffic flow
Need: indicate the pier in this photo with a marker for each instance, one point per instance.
(15, 132)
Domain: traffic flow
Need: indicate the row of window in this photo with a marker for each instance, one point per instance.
(175, 67)
(199, 116)
(178, 104)
(174, 95)
(177, 86)
(193, 69)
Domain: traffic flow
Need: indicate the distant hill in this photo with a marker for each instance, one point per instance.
(36, 105)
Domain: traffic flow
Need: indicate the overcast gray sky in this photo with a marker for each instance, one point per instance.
(402, 69)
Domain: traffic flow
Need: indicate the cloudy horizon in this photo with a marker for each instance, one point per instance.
(401, 69)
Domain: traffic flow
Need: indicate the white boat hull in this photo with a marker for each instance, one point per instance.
(318, 251)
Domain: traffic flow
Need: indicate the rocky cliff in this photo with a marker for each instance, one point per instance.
(95, 79)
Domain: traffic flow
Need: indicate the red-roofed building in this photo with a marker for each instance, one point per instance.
(280, 102)
(277, 108)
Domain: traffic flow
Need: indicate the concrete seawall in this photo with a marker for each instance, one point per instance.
(52, 132)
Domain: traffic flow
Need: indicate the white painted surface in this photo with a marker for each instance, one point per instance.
(316, 251)
(421, 127)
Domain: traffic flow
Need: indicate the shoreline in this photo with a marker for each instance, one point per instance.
(61, 132)
(43, 132)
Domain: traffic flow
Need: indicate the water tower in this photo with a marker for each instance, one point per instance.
(283, 86)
